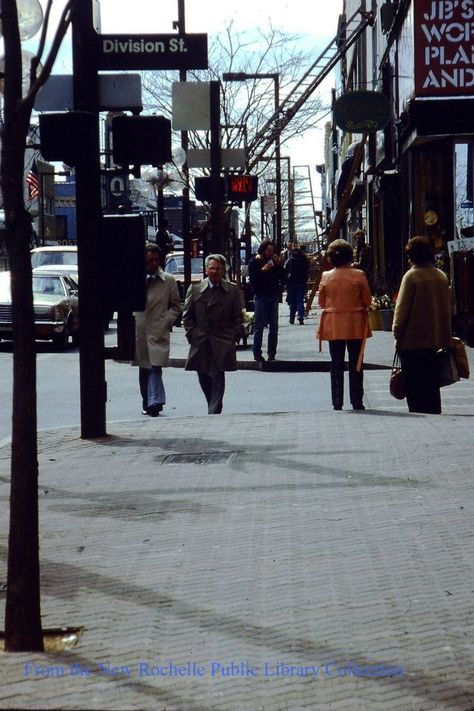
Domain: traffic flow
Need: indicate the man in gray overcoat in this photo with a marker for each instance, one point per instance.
(212, 318)
(152, 331)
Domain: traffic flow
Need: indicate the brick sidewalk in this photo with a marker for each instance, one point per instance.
(292, 560)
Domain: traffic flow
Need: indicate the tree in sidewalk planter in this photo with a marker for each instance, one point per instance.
(23, 630)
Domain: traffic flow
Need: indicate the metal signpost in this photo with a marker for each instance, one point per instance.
(93, 52)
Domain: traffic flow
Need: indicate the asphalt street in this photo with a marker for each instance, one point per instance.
(247, 390)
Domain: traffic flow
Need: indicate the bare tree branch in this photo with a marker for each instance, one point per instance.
(63, 25)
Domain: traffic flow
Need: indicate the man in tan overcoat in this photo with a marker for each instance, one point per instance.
(212, 318)
(152, 331)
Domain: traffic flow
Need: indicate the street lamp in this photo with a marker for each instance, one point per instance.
(243, 76)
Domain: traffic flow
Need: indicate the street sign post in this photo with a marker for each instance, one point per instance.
(151, 51)
(93, 52)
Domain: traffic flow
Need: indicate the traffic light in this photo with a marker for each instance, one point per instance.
(242, 188)
(65, 136)
(141, 140)
(203, 189)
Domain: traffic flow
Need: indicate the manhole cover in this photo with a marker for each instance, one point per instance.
(200, 458)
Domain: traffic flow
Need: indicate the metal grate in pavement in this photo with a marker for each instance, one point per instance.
(200, 458)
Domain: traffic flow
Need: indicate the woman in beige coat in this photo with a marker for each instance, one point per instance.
(345, 297)
(152, 331)
(422, 325)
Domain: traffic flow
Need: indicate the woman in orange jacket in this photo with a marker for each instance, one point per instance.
(345, 297)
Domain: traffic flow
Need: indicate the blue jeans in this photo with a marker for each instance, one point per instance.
(295, 294)
(266, 314)
(152, 389)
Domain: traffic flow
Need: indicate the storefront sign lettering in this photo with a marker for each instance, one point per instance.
(444, 49)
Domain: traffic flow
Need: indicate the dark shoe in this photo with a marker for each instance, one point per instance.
(271, 358)
(145, 411)
(292, 320)
(154, 410)
(259, 359)
(358, 407)
(338, 407)
(301, 321)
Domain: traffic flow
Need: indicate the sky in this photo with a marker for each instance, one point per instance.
(315, 17)
(314, 20)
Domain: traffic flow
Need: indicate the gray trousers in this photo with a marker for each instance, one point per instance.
(213, 387)
(337, 350)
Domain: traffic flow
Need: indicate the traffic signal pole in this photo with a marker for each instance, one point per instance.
(216, 197)
(186, 214)
(93, 389)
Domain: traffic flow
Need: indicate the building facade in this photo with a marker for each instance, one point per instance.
(418, 171)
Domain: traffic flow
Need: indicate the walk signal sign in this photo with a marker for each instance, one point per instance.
(242, 188)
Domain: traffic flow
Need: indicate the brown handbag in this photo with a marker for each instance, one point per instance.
(448, 373)
(398, 387)
(460, 356)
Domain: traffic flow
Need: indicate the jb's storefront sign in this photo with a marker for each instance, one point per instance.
(444, 47)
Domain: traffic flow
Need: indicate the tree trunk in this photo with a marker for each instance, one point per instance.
(23, 630)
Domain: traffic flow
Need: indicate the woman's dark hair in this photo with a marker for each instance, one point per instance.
(340, 253)
(420, 250)
(264, 244)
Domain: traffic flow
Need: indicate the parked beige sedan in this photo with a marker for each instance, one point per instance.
(55, 304)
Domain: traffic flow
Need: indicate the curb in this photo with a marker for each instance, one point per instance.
(286, 366)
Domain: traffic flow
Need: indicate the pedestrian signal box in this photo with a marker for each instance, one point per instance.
(242, 188)
(141, 140)
(203, 188)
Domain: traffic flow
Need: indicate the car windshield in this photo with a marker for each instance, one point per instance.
(53, 257)
(48, 285)
(175, 265)
(5, 293)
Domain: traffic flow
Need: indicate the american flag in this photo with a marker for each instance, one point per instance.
(33, 182)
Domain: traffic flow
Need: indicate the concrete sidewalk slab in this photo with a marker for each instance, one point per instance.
(291, 561)
(296, 344)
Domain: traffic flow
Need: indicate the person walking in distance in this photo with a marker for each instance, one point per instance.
(152, 331)
(267, 279)
(212, 319)
(163, 238)
(296, 268)
(363, 257)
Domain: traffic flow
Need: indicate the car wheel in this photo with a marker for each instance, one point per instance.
(61, 340)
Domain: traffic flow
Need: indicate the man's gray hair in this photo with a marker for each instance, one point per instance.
(218, 258)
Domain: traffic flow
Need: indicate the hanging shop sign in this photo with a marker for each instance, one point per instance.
(444, 50)
(362, 111)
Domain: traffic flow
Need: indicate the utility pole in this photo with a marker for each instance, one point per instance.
(93, 387)
(244, 76)
(276, 80)
(186, 214)
(216, 208)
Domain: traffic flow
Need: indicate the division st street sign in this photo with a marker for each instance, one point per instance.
(121, 52)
